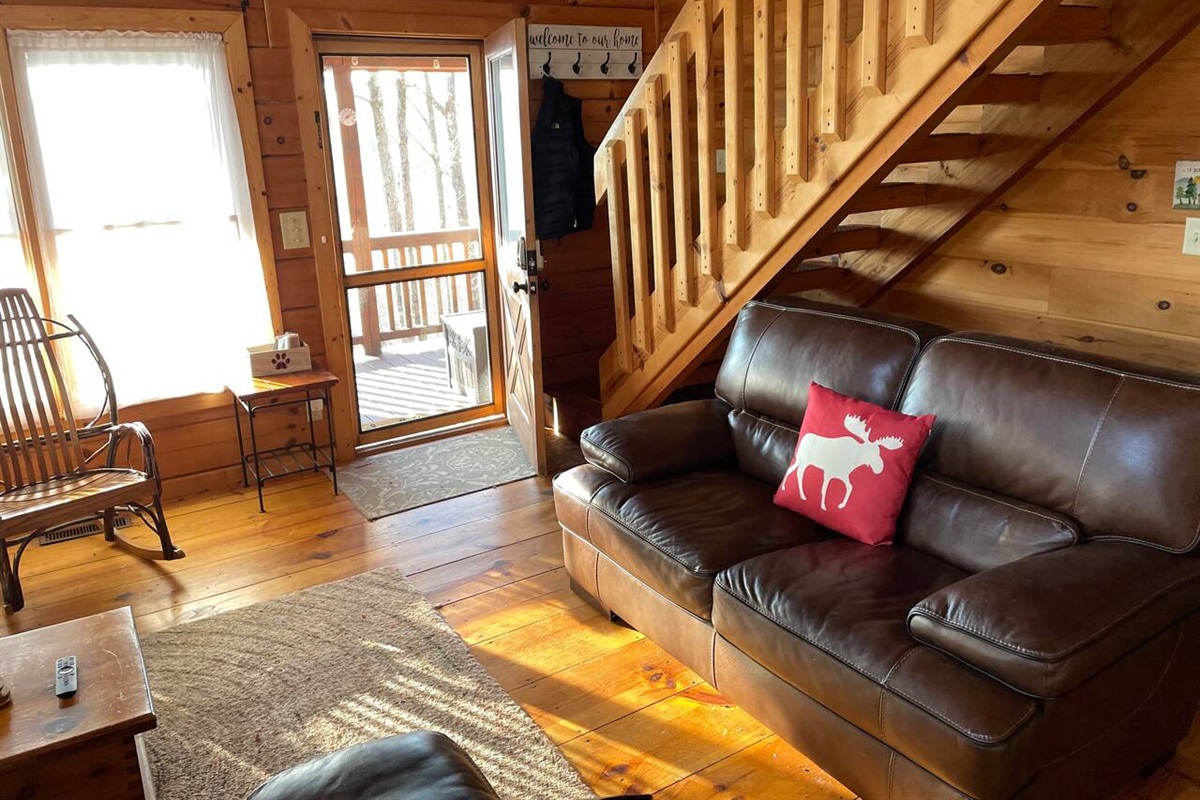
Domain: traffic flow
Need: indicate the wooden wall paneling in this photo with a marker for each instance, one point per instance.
(272, 71)
(1069, 240)
(1178, 352)
(298, 283)
(1011, 285)
(285, 181)
(1133, 299)
(279, 129)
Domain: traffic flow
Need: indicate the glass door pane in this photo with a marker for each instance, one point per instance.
(510, 202)
(403, 133)
(430, 353)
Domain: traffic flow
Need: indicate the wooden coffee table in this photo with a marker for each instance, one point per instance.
(86, 746)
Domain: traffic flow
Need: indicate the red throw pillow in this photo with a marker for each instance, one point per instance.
(853, 463)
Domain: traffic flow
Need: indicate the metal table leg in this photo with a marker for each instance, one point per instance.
(237, 418)
(332, 444)
(258, 480)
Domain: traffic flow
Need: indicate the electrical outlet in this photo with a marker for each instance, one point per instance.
(1191, 236)
(294, 225)
(316, 407)
(720, 161)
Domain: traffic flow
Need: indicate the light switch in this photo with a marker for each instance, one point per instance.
(294, 225)
(1191, 236)
(720, 161)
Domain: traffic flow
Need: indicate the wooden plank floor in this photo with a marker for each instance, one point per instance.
(628, 716)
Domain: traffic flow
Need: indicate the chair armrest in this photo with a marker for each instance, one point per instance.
(119, 433)
(661, 442)
(1046, 623)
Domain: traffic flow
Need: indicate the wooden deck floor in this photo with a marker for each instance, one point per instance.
(629, 716)
(409, 381)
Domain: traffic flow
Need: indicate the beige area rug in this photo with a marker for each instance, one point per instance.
(389, 483)
(245, 694)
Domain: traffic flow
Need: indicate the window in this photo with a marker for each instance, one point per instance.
(141, 207)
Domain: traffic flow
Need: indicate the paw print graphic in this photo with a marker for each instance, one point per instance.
(281, 360)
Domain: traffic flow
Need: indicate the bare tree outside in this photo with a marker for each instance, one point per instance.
(402, 139)
(458, 182)
(384, 149)
(435, 150)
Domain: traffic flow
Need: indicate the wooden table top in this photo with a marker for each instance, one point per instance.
(250, 388)
(113, 696)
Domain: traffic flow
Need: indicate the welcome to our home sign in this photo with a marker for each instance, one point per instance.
(585, 52)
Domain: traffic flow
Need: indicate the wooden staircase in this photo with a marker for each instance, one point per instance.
(855, 136)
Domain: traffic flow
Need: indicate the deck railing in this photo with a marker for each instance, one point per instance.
(407, 309)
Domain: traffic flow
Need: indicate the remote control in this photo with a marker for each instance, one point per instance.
(64, 677)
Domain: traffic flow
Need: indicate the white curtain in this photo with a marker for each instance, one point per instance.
(141, 190)
(14, 271)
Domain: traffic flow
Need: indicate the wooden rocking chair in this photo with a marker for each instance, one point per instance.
(56, 473)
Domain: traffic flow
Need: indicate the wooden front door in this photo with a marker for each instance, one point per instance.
(517, 251)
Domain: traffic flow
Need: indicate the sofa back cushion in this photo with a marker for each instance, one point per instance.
(780, 346)
(976, 530)
(1106, 443)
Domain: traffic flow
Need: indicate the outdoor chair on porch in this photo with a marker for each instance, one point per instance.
(55, 472)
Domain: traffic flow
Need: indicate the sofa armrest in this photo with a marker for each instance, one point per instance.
(1046, 623)
(661, 442)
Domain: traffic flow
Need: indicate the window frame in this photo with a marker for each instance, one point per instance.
(232, 29)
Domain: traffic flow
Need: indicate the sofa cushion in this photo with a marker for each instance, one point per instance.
(1109, 446)
(976, 530)
(840, 437)
(677, 534)
(779, 346)
(830, 619)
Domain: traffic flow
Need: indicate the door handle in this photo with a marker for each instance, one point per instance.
(533, 287)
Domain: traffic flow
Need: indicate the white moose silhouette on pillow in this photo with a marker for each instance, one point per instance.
(839, 457)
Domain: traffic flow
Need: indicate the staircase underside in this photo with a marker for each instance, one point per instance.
(984, 110)
(1077, 79)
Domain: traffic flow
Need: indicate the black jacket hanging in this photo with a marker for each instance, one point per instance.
(564, 194)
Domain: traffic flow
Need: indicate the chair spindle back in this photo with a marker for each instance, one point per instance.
(40, 440)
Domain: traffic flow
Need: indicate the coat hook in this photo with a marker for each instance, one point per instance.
(546, 66)
(578, 61)
(633, 64)
(604, 66)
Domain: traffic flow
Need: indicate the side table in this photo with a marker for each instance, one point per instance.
(88, 745)
(253, 395)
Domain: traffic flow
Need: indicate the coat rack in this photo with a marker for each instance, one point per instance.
(585, 52)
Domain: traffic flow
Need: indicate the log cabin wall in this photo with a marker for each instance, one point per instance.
(1085, 250)
(195, 436)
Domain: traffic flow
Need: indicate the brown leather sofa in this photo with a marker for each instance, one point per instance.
(1033, 633)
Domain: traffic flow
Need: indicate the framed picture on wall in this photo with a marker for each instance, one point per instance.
(1186, 189)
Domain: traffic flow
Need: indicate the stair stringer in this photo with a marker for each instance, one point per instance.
(1079, 80)
(925, 83)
